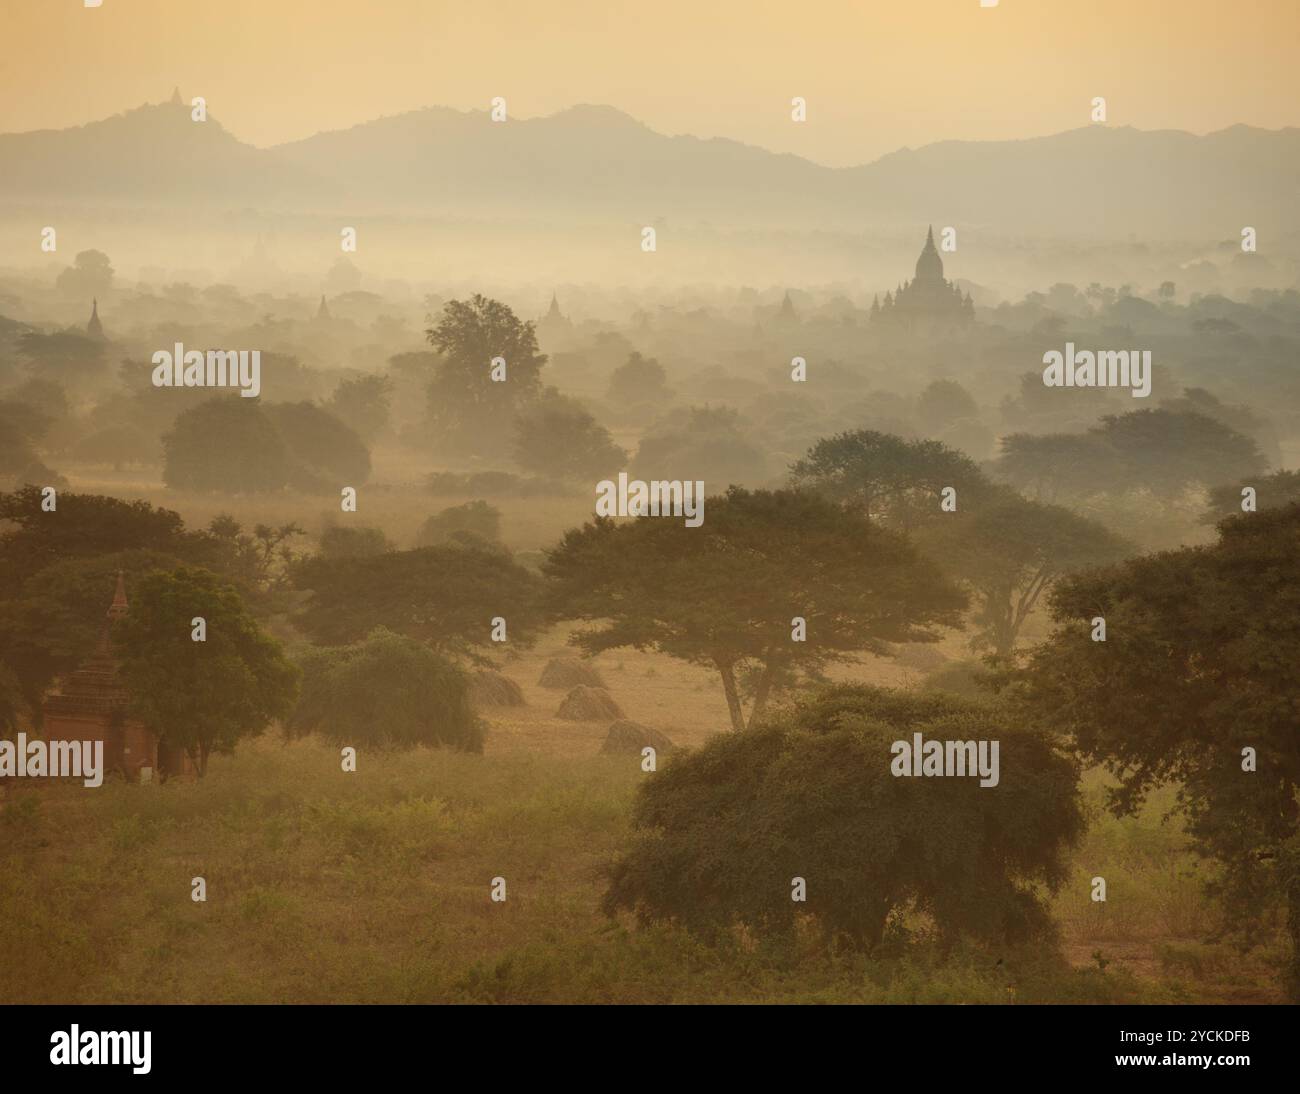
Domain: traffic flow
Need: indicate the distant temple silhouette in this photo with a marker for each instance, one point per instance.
(927, 301)
(555, 325)
(95, 328)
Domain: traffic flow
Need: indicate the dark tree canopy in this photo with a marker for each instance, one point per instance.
(723, 831)
(324, 448)
(713, 444)
(1054, 467)
(227, 444)
(203, 696)
(944, 402)
(473, 522)
(1167, 450)
(1198, 664)
(466, 406)
(639, 380)
(557, 436)
(55, 619)
(363, 403)
(83, 525)
(1007, 550)
(348, 541)
(386, 691)
(445, 596)
(725, 594)
(62, 355)
(888, 479)
(1279, 489)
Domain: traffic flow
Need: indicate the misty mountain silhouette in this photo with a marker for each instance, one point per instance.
(597, 162)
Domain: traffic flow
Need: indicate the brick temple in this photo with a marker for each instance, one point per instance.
(91, 704)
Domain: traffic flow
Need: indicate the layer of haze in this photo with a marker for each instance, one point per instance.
(877, 76)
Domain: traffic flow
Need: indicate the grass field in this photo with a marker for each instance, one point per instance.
(374, 887)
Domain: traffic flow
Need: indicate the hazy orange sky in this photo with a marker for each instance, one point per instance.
(877, 75)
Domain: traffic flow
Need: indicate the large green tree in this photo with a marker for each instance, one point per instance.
(467, 407)
(82, 525)
(1195, 684)
(227, 444)
(55, 619)
(725, 594)
(1057, 467)
(205, 695)
(893, 481)
(722, 832)
(1167, 450)
(1008, 550)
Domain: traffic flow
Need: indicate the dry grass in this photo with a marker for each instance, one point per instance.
(374, 886)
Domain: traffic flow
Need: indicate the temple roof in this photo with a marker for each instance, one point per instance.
(95, 687)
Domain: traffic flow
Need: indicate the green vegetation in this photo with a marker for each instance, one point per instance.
(387, 691)
(374, 887)
(202, 674)
(726, 830)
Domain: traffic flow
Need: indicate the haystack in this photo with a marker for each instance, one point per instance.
(629, 738)
(584, 704)
(569, 672)
(493, 689)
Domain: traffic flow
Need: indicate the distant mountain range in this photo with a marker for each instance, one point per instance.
(595, 162)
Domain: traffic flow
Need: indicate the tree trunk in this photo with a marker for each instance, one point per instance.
(762, 692)
(728, 673)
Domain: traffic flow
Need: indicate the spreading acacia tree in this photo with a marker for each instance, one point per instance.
(467, 407)
(890, 480)
(727, 594)
(203, 696)
(1007, 551)
(1195, 684)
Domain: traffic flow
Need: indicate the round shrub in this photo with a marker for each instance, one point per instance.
(387, 691)
(722, 831)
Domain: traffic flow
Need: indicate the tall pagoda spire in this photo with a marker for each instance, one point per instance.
(116, 610)
(929, 267)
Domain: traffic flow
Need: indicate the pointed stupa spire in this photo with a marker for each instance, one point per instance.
(323, 312)
(119, 606)
(929, 267)
(554, 312)
(176, 97)
(95, 328)
(116, 610)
